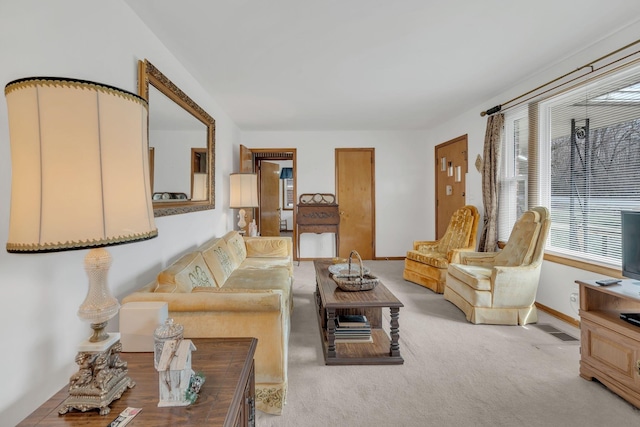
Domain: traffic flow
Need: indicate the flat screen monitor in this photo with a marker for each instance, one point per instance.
(630, 227)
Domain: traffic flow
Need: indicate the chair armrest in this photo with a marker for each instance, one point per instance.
(515, 286)
(426, 245)
(454, 255)
(206, 299)
(485, 259)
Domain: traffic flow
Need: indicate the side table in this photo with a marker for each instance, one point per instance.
(226, 398)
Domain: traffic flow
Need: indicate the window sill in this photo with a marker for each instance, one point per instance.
(582, 265)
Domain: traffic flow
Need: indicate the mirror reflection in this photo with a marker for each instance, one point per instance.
(181, 146)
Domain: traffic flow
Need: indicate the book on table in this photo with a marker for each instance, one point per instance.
(352, 321)
(352, 328)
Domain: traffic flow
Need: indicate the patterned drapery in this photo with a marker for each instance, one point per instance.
(490, 173)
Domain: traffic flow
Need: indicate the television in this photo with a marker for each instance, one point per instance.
(630, 228)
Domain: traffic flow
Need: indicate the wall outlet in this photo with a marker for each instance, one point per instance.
(573, 297)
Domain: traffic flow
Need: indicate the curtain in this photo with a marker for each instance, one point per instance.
(490, 174)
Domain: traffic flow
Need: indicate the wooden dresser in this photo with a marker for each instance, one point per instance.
(226, 398)
(610, 346)
(317, 213)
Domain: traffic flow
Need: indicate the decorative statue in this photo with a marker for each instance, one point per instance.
(253, 228)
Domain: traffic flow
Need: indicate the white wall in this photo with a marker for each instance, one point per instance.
(403, 178)
(557, 281)
(102, 41)
(99, 41)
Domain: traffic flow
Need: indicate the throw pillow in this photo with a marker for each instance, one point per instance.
(218, 259)
(185, 274)
(236, 246)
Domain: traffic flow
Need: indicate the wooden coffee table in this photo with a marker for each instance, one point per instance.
(331, 301)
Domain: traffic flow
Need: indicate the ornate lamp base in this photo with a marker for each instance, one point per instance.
(101, 377)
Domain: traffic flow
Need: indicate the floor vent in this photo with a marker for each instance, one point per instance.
(555, 332)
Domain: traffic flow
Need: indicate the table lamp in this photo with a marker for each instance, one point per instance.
(286, 173)
(80, 180)
(243, 191)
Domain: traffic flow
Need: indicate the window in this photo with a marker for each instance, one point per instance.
(588, 164)
(513, 182)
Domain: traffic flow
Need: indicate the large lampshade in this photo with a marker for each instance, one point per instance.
(80, 168)
(243, 190)
(243, 193)
(80, 179)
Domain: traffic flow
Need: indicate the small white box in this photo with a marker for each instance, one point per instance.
(138, 322)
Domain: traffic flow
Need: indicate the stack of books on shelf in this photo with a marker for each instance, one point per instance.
(353, 328)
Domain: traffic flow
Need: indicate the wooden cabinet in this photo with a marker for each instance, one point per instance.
(610, 346)
(317, 213)
(227, 398)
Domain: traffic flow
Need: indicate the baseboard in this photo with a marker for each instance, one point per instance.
(558, 315)
(390, 258)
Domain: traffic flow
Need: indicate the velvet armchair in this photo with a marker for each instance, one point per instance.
(500, 287)
(426, 264)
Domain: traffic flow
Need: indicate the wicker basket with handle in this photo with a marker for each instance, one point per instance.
(361, 282)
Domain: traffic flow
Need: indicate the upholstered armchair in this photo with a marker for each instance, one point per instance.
(426, 264)
(500, 287)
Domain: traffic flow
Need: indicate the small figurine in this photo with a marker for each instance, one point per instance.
(253, 228)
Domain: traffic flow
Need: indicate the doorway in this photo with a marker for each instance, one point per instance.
(355, 191)
(270, 213)
(451, 173)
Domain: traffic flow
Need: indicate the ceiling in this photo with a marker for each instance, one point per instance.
(371, 64)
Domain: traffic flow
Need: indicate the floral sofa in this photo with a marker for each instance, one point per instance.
(235, 286)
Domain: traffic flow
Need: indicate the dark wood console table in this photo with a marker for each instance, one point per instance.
(317, 213)
(226, 398)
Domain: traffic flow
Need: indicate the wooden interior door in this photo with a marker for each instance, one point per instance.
(269, 199)
(451, 171)
(355, 193)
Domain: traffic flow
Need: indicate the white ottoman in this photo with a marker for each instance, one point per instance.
(138, 321)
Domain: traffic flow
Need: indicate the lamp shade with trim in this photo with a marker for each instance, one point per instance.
(80, 165)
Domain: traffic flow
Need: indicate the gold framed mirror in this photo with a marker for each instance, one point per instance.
(178, 127)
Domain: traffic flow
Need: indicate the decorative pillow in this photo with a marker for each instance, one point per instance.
(236, 246)
(218, 259)
(185, 274)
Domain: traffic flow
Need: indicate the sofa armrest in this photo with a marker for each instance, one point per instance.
(205, 299)
(272, 246)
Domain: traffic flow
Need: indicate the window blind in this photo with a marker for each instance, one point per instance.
(588, 164)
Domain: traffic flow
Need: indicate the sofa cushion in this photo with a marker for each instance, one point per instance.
(267, 263)
(237, 248)
(219, 260)
(435, 259)
(262, 279)
(476, 277)
(185, 274)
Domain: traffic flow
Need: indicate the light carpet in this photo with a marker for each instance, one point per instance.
(454, 373)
